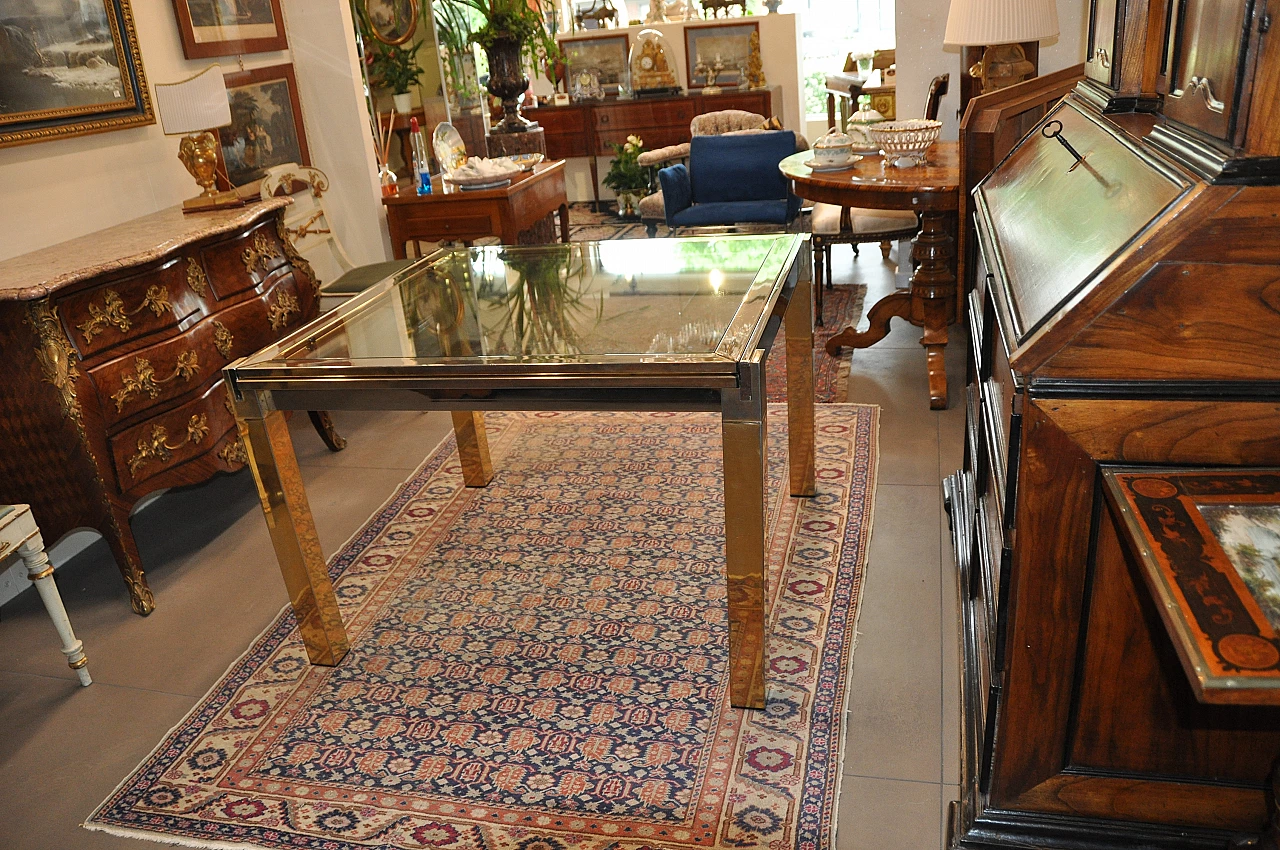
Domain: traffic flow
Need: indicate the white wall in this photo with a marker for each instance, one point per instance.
(921, 55)
(57, 190)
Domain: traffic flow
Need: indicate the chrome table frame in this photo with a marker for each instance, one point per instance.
(263, 386)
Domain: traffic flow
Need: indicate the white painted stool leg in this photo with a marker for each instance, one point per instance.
(40, 571)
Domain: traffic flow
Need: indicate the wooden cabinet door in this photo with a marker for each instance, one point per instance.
(1101, 62)
(1206, 64)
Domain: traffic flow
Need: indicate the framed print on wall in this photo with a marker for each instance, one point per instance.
(606, 55)
(227, 27)
(266, 123)
(730, 44)
(70, 70)
(392, 21)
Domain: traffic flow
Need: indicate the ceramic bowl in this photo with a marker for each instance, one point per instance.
(905, 142)
(833, 148)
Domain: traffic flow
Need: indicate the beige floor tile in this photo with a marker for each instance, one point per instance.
(883, 814)
(895, 693)
(64, 749)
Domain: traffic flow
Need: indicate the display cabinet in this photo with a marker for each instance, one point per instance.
(1123, 53)
(1126, 312)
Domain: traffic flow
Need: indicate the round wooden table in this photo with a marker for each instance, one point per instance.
(932, 190)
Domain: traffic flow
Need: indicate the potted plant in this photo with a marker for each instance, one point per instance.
(395, 68)
(626, 177)
(514, 33)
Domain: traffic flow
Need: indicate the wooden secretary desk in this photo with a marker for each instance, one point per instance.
(1126, 315)
(113, 345)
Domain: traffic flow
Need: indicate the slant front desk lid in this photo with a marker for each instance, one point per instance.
(1060, 210)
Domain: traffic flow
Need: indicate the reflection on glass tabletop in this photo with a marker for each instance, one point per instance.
(693, 303)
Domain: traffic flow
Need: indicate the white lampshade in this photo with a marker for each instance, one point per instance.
(987, 22)
(194, 105)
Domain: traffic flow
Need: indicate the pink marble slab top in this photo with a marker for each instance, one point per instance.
(141, 240)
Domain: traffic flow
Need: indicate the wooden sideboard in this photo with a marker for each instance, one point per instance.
(114, 344)
(591, 128)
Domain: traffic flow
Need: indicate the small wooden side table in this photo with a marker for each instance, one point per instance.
(449, 213)
(932, 190)
(19, 535)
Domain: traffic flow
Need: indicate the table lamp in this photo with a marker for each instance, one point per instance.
(190, 108)
(1000, 26)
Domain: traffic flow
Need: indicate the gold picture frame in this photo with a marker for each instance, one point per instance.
(392, 21)
(98, 86)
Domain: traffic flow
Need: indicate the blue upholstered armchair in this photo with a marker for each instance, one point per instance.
(731, 179)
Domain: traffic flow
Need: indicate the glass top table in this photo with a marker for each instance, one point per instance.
(652, 324)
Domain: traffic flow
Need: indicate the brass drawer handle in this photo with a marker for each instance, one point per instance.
(222, 339)
(196, 278)
(112, 311)
(158, 448)
(234, 452)
(1103, 58)
(278, 313)
(260, 253)
(144, 379)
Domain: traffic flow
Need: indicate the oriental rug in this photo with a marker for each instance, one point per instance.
(541, 664)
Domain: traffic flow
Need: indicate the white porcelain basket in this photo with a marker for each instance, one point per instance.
(905, 142)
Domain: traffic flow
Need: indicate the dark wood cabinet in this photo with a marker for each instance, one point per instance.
(1123, 54)
(114, 345)
(1125, 313)
(1220, 77)
(591, 128)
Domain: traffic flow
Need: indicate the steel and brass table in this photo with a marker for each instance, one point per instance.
(655, 324)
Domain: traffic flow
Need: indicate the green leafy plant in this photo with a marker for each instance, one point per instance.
(626, 174)
(393, 67)
(520, 20)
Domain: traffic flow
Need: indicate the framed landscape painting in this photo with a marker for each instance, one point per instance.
(68, 70)
(604, 54)
(729, 44)
(266, 123)
(227, 27)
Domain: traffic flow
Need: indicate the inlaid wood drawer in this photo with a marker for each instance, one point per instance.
(172, 438)
(153, 376)
(129, 308)
(645, 117)
(245, 261)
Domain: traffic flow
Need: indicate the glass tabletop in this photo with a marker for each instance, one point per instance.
(697, 304)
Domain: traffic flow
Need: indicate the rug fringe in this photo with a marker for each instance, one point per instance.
(873, 475)
(172, 841)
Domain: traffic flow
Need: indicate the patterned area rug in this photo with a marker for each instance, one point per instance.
(541, 664)
(841, 306)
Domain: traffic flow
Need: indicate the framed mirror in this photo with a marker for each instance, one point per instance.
(392, 21)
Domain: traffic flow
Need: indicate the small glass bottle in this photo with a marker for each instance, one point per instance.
(421, 163)
(387, 178)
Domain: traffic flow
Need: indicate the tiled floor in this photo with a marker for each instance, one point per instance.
(63, 748)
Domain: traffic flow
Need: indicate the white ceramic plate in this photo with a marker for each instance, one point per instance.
(447, 144)
(468, 186)
(814, 165)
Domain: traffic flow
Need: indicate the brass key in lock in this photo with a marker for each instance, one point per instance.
(1053, 130)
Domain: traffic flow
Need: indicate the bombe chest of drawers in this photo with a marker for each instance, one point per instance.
(113, 345)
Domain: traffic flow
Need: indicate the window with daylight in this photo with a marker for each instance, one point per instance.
(832, 29)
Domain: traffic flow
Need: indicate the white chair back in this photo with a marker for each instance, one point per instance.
(306, 219)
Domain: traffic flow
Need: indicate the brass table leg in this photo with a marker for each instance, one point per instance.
(473, 447)
(293, 531)
(743, 424)
(799, 327)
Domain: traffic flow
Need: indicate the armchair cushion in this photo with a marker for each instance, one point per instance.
(664, 156)
(740, 168)
(734, 212)
(724, 120)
